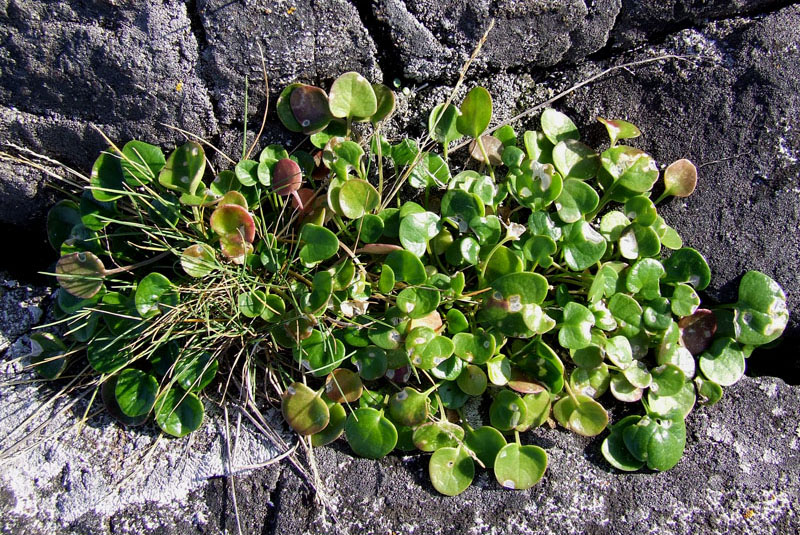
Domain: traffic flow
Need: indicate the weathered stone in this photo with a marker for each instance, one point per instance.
(313, 42)
(64, 68)
(643, 20)
(434, 39)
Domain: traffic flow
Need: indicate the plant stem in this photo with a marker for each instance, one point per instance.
(136, 265)
(485, 155)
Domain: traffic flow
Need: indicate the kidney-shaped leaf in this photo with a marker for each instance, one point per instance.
(369, 433)
(520, 467)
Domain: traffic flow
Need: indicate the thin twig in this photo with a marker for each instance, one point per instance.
(577, 86)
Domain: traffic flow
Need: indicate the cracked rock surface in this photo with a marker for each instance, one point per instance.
(126, 66)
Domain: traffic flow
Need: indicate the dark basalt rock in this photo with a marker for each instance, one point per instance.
(312, 42)
(433, 39)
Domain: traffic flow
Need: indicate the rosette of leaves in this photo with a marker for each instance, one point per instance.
(536, 278)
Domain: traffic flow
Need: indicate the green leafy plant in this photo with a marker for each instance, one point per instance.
(540, 276)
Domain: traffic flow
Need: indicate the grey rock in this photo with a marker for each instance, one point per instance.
(313, 42)
(121, 67)
(643, 20)
(434, 39)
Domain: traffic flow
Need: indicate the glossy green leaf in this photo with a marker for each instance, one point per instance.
(336, 421)
(476, 112)
(107, 178)
(451, 470)
(141, 162)
(681, 403)
(583, 246)
(155, 294)
(507, 411)
(409, 407)
(684, 300)
(687, 265)
(442, 123)
(178, 413)
(418, 302)
(723, 362)
(184, 169)
(485, 442)
(417, 229)
(657, 441)
(358, 197)
(638, 241)
(619, 129)
(630, 168)
(557, 126)
(194, 371)
(574, 159)
(136, 392)
(614, 449)
(433, 436)
(577, 198)
(369, 433)
(643, 278)
(581, 414)
(520, 467)
(319, 244)
(575, 332)
(46, 355)
(351, 95)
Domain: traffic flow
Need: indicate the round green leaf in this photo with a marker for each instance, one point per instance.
(60, 219)
(46, 355)
(582, 415)
(81, 274)
(409, 407)
(476, 112)
(304, 410)
(577, 198)
(195, 370)
(436, 435)
(155, 294)
(106, 178)
(135, 392)
(657, 441)
(319, 244)
(335, 427)
(583, 246)
(557, 126)
(406, 267)
(141, 162)
(178, 413)
(614, 449)
(520, 467)
(442, 123)
(574, 159)
(343, 386)
(687, 265)
(681, 403)
(418, 302)
(485, 442)
(638, 241)
(630, 168)
(507, 411)
(451, 470)
(723, 363)
(575, 332)
(417, 229)
(184, 169)
(357, 197)
(472, 380)
(198, 260)
(369, 433)
(351, 95)
(371, 362)
(643, 278)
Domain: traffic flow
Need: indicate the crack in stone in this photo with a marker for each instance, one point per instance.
(612, 50)
(381, 35)
(201, 38)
